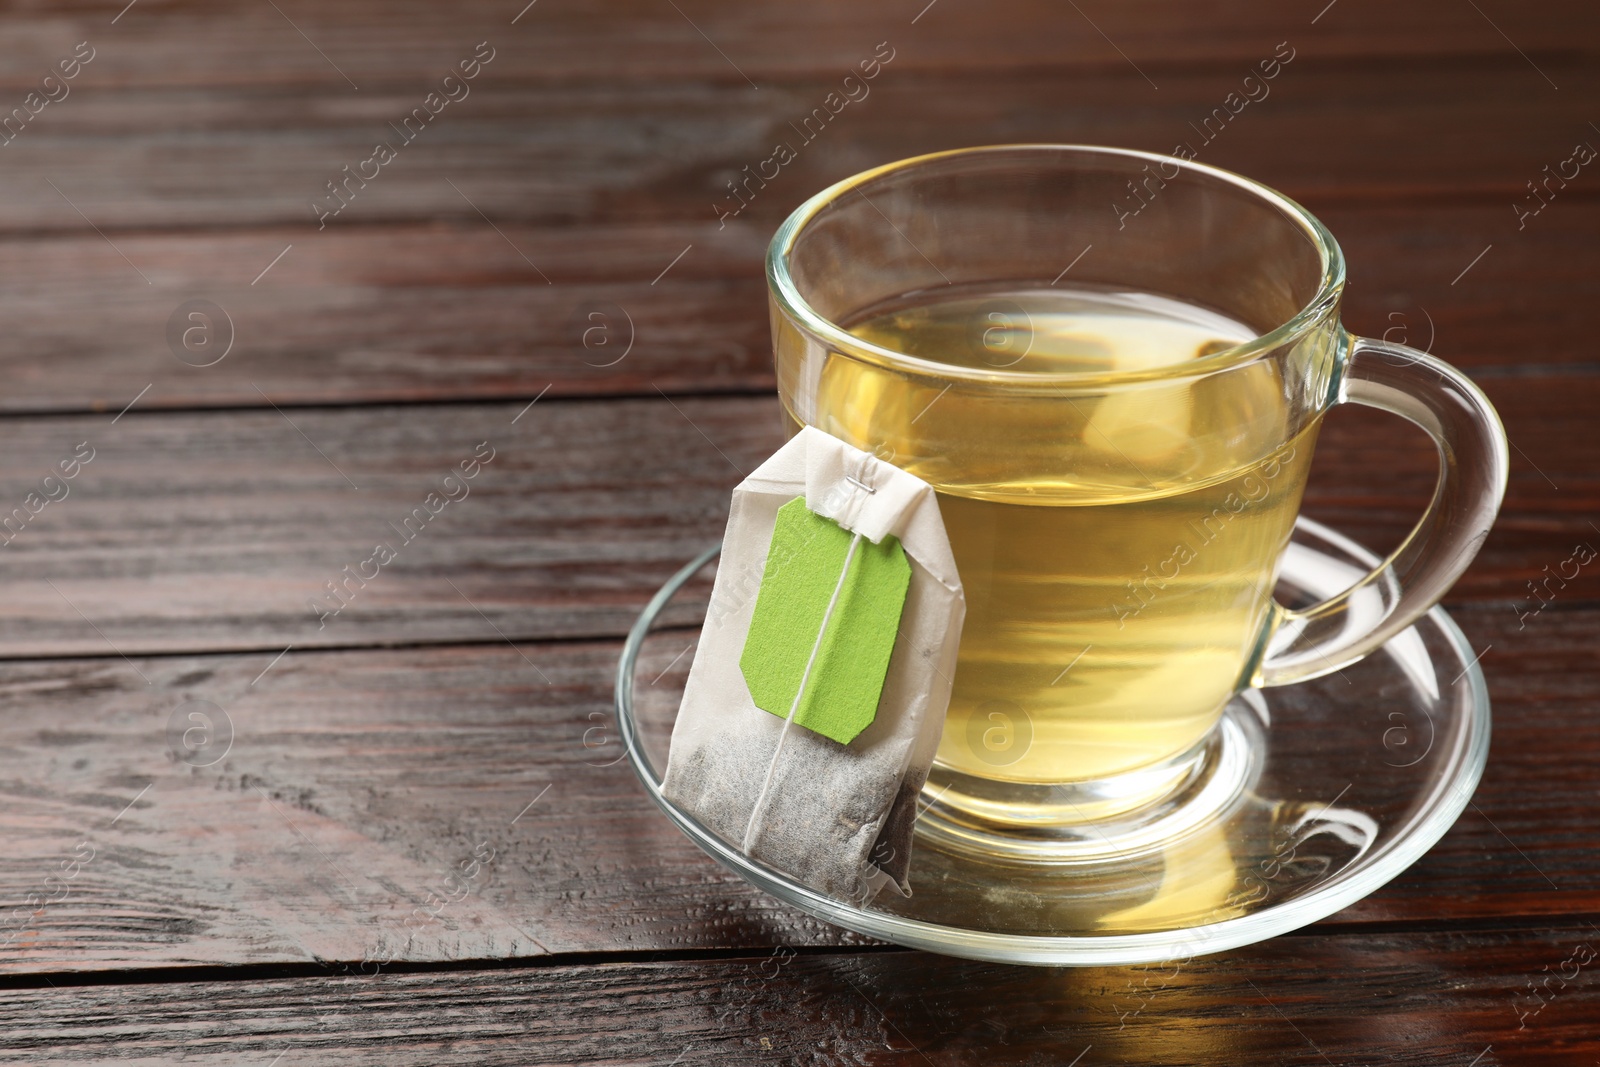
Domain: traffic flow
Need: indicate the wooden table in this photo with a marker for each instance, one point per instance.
(242, 828)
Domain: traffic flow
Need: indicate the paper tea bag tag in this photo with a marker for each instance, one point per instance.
(826, 617)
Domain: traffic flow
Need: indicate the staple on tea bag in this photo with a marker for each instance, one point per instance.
(836, 815)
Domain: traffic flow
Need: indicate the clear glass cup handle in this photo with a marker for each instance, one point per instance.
(1473, 462)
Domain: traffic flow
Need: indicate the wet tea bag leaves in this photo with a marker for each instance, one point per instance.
(825, 623)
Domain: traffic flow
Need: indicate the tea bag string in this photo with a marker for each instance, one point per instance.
(805, 679)
(794, 706)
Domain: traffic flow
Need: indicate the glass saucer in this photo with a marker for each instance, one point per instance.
(1335, 786)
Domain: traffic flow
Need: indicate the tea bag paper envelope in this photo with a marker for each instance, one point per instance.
(836, 817)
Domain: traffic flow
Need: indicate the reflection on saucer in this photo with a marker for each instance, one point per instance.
(1352, 777)
(1197, 878)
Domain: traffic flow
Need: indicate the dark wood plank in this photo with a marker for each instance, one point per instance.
(1422, 1000)
(335, 791)
(186, 530)
(357, 781)
(1520, 309)
(217, 531)
(187, 43)
(180, 159)
(1371, 479)
(417, 805)
(373, 314)
(447, 313)
(1524, 844)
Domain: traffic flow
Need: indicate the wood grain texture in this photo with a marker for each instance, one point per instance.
(1418, 1001)
(231, 523)
(332, 807)
(217, 530)
(184, 159)
(183, 42)
(454, 312)
(427, 781)
(405, 314)
(318, 811)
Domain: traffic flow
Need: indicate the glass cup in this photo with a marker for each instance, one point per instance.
(1118, 504)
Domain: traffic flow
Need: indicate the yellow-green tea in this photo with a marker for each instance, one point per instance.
(1118, 551)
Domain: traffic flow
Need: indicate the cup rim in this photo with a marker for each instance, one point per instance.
(780, 282)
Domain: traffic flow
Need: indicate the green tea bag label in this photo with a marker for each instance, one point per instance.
(825, 622)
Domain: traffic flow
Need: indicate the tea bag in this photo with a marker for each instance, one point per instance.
(852, 673)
